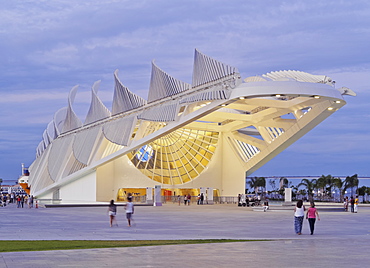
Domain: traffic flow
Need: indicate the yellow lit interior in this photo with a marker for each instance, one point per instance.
(176, 158)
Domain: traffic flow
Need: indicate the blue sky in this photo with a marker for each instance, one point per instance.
(47, 47)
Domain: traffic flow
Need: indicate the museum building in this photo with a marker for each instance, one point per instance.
(206, 136)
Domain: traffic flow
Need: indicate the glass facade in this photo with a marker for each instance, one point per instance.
(176, 158)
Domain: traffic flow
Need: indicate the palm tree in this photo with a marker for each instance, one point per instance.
(284, 182)
(257, 182)
(253, 183)
(362, 190)
(325, 184)
(351, 182)
(310, 186)
(338, 183)
(273, 185)
(262, 183)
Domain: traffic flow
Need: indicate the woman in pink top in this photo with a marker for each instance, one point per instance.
(311, 216)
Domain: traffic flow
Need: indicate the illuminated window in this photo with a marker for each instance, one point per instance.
(176, 158)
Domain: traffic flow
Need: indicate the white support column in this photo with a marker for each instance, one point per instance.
(288, 196)
(149, 195)
(157, 196)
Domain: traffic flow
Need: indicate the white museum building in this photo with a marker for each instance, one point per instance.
(204, 136)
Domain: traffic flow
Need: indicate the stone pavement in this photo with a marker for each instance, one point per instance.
(341, 239)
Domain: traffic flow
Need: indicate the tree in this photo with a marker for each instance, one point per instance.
(256, 183)
(351, 182)
(325, 184)
(338, 183)
(253, 183)
(262, 183)
(273, 185)
(362, 190)
(310, 186)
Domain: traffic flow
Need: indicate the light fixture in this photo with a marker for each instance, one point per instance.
(241, 98)
(277, 95)
(338, 101)
(330, 108)
(316, 97)
(223, 105)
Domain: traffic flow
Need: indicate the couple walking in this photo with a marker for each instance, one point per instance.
(112, 210)
(311, 215)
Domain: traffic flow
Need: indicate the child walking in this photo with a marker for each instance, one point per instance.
(112, 210)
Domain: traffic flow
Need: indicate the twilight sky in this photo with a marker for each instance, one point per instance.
(47, 47)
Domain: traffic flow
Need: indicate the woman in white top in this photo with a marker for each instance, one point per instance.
(298, 217)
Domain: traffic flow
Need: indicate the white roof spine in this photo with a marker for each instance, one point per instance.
(84, 143)
(163, 85)
(165, 113)
(120, 131)
(51, 130)
(59, 118)
(46, 138)
(72, 121)
(59, 153)
(207, 69)
(299, 76)
(97, 109)
(40, 148)
(123, 99)
(214, 93)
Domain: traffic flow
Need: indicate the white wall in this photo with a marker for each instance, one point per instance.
(83, 189)
(117, 174)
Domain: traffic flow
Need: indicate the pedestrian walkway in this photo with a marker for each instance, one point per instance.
(341, 239)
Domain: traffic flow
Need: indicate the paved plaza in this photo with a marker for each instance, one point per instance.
(341, 239)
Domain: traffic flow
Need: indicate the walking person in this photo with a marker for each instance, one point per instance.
(345, 203)
(266, 205)
(355, 207)
(201, 198)
(30, 201)
(298, 217)
(311, 216)
(112, 210)
(189, 199)
(129, 210)
(22, 200)
(352, 201)
(18, 201)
